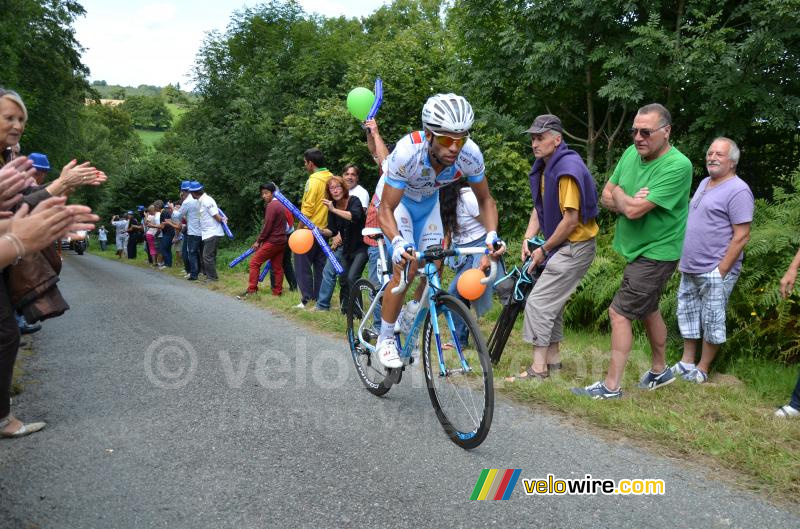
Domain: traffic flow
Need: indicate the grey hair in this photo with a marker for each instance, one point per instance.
(661, 110)
(16, 98)
(733, 152)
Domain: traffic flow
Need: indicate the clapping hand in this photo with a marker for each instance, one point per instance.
(15, 176)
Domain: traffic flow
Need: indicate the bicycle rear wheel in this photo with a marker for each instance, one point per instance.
(462, 398)
(369, 369)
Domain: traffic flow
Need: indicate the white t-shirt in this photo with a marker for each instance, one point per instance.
(467, 211)
(362, 195)
(121, 227)
(189, 211)
(153, 219)
(209, 226)
(102, 234)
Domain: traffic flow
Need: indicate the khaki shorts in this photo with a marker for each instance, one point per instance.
(642, 283)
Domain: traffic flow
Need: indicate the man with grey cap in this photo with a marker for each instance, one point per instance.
(564, 209)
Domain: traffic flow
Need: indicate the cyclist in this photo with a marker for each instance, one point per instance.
(421, 163)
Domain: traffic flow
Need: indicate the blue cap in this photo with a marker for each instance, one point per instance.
(194, 186)
(40, 161)
(140, 208)
(185, 185)
(129, 213)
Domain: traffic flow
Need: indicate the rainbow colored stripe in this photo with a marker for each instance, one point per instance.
(496, 484)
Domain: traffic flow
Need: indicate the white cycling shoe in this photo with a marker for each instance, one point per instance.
(388, 354)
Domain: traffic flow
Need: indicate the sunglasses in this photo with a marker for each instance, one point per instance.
(448, 141)
(644, 133)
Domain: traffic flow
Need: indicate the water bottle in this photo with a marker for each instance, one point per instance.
(407, 316)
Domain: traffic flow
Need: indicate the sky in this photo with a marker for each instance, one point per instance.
(130, 42)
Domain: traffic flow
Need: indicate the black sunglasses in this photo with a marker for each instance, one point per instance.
(645, 133)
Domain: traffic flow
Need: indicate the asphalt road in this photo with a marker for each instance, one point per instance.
(169, 405)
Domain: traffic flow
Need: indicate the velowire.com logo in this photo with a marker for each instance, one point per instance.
(496, 484)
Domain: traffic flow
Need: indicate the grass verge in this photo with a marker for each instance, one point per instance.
(725, 426)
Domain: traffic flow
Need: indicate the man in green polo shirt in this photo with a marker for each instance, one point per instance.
(649, 191)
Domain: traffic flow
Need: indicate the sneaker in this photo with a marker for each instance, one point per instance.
(299, 306)
(244, 294)
(388, 355)
(190, 278)
(161, 267)
(651, 381)
(695, 375)
(678, 370)
(785, 412)
(597, 391)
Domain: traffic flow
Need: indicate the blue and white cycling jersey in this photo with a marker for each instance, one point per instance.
(417, 215)
(410, 169)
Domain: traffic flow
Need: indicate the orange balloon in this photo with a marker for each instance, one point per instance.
(469, 284)
(301, 241)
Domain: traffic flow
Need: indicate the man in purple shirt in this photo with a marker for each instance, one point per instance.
(718, 228)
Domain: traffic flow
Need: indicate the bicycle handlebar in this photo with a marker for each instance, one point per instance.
(437, 253)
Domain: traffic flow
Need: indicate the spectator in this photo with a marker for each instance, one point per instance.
(210, 229)
(288, 268)
(791, 410)
(102, 237)
(121, 227)
(379, 152)
(177, 239)
(190, 212)
(345, 222)
(564, 211)
(167, 229)
(309, 266)
(152, 220)
(30, 232)
(178, 217)
(135, 234)
(350, 175)
(42, 166)
(462, 229)
(718, 228)
(649, 191)
(270, 244)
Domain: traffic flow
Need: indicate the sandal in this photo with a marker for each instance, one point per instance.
(553, 367)
(786, 412)
(530, 374)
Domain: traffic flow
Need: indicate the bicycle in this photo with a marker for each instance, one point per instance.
(523, 282)
(458, 372)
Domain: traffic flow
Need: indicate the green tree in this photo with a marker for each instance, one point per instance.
(41, 61)
(148, 112)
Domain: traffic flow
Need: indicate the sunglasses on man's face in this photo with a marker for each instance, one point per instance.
(644, 133)
(448, 141)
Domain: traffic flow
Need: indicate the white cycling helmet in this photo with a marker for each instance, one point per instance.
(445, 113)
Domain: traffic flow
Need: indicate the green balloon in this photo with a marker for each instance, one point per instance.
(359, 102)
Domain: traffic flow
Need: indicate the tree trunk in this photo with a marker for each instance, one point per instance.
(591, 140)
(676, 52)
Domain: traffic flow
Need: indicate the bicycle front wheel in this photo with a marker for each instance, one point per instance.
(368, 367)
(460, 386)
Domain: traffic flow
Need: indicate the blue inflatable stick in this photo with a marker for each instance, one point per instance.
(314, 230)
(265, 271)
(225, 227)
(378, 99)
(247, 253)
